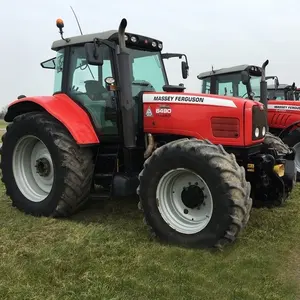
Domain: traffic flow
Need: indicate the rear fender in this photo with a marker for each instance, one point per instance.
(62, 108)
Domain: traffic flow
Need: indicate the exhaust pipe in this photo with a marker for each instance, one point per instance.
(264, 90)
(264, 86)
(126, 100)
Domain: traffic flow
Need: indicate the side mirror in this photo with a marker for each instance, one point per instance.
(245, 77)
(48, 64)
(184, 69)
(94, 55)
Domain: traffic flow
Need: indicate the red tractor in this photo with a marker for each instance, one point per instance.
(244, 81)
(114, 121)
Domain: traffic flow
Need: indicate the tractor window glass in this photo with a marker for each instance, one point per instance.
(231, 85)
(255, 86)
(276, 95)
(58, 72)
(226, 85)
(206, 86)
(87, 87)
(148, 71)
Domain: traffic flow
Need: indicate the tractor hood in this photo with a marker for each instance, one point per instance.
(198, 116)
(195, 99)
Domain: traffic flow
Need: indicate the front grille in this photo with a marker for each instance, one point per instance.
(259, 120)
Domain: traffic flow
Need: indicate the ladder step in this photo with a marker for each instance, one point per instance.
(100, 196)
(108, 154)
(103, 175)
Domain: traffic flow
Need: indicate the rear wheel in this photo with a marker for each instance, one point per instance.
(44, 171)
(193, 193)
(293, 140)
(276, 143)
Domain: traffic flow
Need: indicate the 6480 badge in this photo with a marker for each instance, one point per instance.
(163, 111)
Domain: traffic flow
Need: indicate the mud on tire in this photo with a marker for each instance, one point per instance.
(223, 176)
(72, 166)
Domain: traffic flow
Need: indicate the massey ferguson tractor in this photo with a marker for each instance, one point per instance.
(244, 82)
(114, 121)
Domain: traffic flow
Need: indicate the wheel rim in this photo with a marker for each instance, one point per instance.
(33, 168)
(184, 201)
(297, 156)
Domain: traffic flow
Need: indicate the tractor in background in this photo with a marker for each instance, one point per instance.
(113, 120)
(279, 91)
(243, 81)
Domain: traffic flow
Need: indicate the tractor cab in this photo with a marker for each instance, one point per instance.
(88, 69)
(241, 81)
(278, 91)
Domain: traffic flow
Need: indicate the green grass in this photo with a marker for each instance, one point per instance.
(2, 124)
(104, 252)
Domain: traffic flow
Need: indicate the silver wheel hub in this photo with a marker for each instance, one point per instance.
(33, 168)
(297, 156)
(184, 201)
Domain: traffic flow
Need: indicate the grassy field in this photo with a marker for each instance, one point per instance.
(104, 252)
(2, 127)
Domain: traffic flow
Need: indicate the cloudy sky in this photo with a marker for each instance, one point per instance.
(217, 32)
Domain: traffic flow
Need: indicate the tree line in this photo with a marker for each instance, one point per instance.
(3, 112)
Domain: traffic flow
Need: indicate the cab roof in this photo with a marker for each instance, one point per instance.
(280, 87)
(234, 69)
(80, 39)
(111, 35)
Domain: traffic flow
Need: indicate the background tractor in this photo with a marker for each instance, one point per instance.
(244, 81)
(279, 91)
(114, 121)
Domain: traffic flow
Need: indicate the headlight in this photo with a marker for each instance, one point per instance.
(133, 39)
(256, 132)
(263, 131)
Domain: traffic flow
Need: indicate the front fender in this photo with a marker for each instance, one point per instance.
(61, 107)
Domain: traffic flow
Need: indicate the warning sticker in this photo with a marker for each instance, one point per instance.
(149, 112)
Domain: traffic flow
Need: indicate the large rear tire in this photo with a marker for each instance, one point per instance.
(193, 193)
(43, 169)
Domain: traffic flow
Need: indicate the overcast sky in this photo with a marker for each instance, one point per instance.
(215, 32)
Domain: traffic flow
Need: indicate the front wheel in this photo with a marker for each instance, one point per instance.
(43, 169)
(193, 193)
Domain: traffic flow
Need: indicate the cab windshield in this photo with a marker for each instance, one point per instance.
(276, 94)
(231, 85)
(147, 70)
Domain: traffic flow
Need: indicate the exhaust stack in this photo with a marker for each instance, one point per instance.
(264, 86)
(126, 101)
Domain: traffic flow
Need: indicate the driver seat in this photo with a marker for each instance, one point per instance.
(95, 89)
